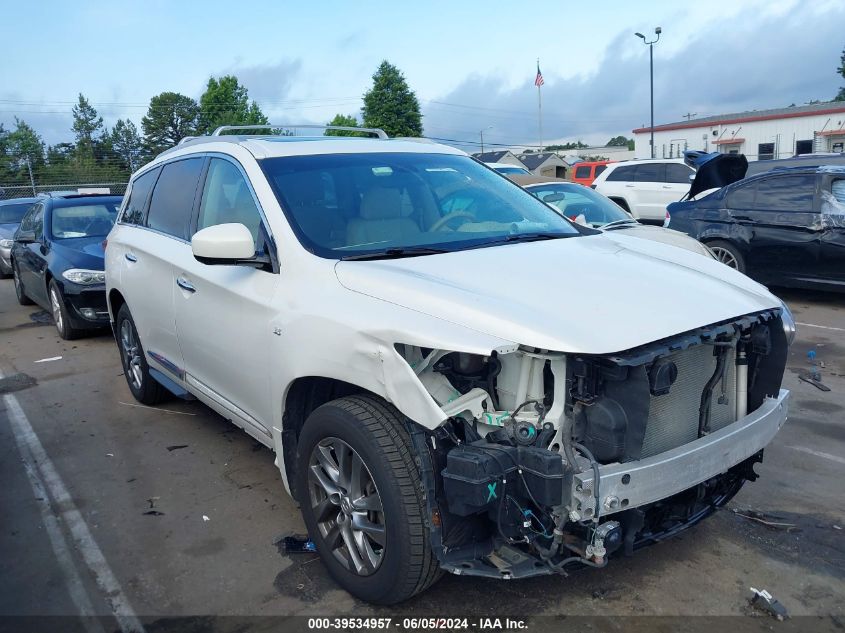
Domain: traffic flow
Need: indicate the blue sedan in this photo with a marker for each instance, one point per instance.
(57, 259)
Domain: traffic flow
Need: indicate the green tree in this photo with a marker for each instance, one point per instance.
(86, 123)
(617, 141)
(343, 120)
(575, 145)
(23, 150)
(841, 70)
(170, 118)
(226, 102)
(391, 105)
(126, 144)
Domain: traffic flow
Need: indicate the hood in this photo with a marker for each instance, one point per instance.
(7, 231)
(592, 294)
(82, 252)
(715, 170)
(659, 234)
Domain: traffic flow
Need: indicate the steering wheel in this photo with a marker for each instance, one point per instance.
(448, 218)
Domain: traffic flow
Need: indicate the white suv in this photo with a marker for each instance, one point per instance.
(395, 321)
(645, 188)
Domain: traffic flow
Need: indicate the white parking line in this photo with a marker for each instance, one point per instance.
(810, 451)
(823, 327)
(38, 462)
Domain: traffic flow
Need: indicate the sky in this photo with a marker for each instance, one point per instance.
(471, 63)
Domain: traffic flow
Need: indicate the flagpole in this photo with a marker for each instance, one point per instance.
(539, 109)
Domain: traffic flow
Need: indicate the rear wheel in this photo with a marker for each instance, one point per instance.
(19, 291)
(728, 254)
(143, 386)
(60, 314)
(362, 502)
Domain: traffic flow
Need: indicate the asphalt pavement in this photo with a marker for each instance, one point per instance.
(111, 508)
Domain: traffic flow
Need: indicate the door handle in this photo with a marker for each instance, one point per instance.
(667, 186)
(130, 257)
(184, 284)
(631, 186)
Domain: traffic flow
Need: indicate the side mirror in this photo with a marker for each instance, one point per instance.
(25, 237)
(223, 244)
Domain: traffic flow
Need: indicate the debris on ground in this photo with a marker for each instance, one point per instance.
(765, 602)
(765, 519)
(48, 360)
(205, 518)
(176, 447)
(152, 501)
(816, 382)
(295, 544)
(154, 513)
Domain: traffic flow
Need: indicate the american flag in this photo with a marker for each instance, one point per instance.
(538, 81)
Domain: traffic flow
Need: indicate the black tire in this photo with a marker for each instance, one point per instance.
(143, 386)
(375, 431)
(60, 313)
(20, 293)
(728, 254)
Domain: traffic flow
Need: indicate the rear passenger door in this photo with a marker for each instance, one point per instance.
(785, 227)
(223, 312)
(652, 194)
(832, 264)
(157, 236)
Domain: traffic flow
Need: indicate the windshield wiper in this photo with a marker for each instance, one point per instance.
(619, 223)
(395, 253)
(529, 237)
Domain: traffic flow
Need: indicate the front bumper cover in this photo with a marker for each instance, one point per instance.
(629, 485)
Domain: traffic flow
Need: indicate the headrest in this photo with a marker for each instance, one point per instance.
(304, 188)
(381, 204)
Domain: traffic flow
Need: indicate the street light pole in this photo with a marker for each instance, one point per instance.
(651, 44)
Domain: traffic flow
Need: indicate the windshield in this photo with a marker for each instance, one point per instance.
(342, 205)
(574, 200)
(94, 219)
(13, 213)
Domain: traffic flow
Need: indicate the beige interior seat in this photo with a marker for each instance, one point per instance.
(382, 219)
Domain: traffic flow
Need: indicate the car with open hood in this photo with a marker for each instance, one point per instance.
(590, 208)
(11, 214)
(57, 259)
(389, 316)
(783, 227)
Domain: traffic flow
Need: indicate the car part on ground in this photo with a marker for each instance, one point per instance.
(432, 404)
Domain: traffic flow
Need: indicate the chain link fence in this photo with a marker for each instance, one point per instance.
(9, 192)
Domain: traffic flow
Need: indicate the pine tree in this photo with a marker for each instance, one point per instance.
(391, 105)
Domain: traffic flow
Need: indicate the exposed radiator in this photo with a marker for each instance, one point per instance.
(673, 418)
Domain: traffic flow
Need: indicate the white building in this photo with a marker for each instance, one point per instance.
(759, 134)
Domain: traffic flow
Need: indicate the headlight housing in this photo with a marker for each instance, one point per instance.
(6, 243)
(85, 277)
(788, 322)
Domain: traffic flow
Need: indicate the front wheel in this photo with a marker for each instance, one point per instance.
(143, 386)
(728, 254)
(60, 314)
(362, 501)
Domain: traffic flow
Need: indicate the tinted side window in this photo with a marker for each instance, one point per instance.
(173, 197)
(678, 173)
(651, 172)
(582, 172)
(226, 198)
(623, 173)
(742, 197)
(788, 193)
(600, 169)
(134, 211)
(26, 222)
(36, 221)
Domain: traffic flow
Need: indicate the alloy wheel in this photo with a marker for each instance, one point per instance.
(55, 304)
(130, 350)
(347, 506)
(725, 256)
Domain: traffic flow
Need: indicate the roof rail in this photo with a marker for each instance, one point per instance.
(369, 130)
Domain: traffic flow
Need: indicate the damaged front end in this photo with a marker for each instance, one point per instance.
(549, 460)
